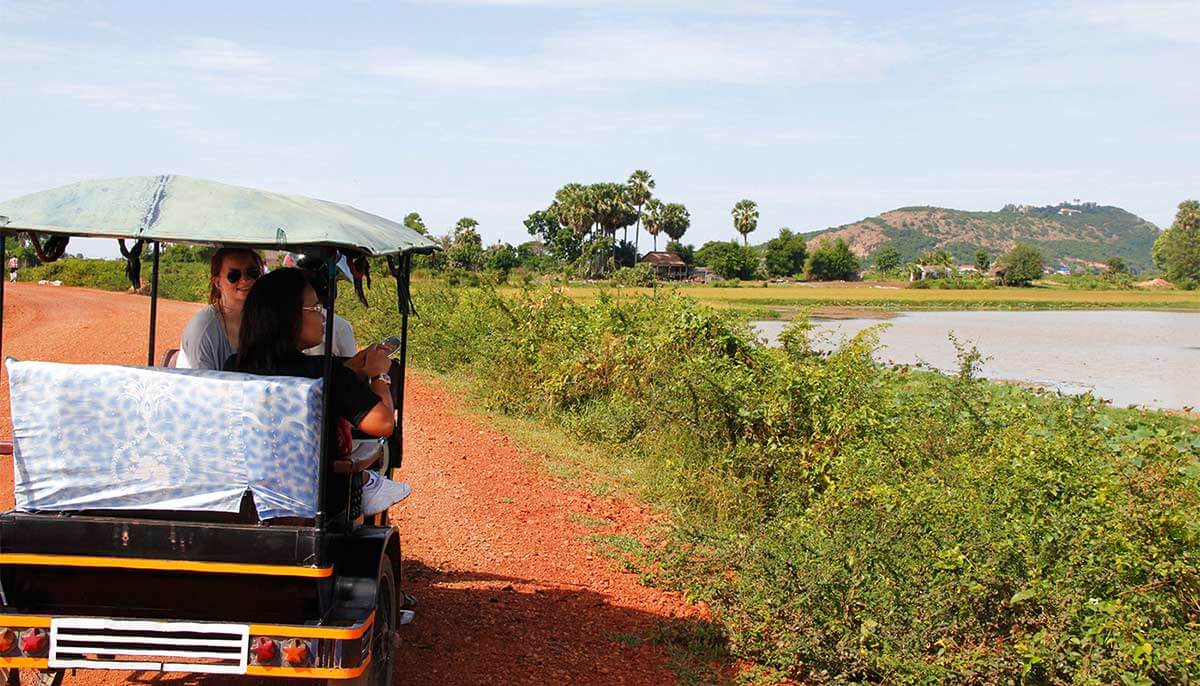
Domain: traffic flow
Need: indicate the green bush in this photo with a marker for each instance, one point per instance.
(108, 275)
(637, 275)
(728, 259)
(177, 280)
(852, 524)
(832, 261)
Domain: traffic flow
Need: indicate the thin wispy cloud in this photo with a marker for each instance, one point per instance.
(745, 8)
(719, 54)
(220, 54)
(114, 98)
(1176, 21)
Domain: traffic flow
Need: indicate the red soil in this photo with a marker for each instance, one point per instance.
(508, 591)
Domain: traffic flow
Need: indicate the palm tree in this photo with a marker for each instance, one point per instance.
(676, 220)
(637, 193)
(573, 208)
(745, 218)
(611, 209)
(653, 221)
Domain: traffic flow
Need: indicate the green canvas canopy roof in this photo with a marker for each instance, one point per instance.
(185, 209)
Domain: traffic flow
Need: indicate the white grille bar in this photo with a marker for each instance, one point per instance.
(100, 644)
(203, 642)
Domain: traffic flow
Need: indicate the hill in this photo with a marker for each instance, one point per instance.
(1077, 235)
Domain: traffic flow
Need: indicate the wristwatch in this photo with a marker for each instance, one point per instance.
(381, 377)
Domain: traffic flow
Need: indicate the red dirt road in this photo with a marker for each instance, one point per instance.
(508, 591)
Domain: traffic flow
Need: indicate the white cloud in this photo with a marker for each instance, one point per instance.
(20, 11)
(114, 98)
(711, 7)
(219, 54)
(1177, 20)
(725, 54)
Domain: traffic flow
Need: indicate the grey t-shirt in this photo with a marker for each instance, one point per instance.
(204, 343)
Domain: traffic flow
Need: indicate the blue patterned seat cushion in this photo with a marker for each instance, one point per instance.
(92, 437)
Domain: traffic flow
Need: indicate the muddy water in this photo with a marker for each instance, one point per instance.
(1131, 358)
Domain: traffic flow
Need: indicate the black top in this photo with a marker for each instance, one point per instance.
(350, 398)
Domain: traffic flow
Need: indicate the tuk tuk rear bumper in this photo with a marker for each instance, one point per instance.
(295, 651)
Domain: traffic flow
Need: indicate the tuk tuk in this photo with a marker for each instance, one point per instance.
(173, 520)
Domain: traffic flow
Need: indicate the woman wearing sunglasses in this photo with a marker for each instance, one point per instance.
(283, 317)
(212, 334)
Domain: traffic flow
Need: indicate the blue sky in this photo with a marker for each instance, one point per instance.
(823, 113)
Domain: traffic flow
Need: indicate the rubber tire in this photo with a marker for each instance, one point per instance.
(380, 673)
(382, 635)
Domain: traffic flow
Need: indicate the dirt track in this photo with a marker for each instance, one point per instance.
(509, 593)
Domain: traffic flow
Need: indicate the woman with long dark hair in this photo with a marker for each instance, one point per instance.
(282, 317)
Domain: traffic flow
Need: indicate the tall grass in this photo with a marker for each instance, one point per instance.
(853, 524)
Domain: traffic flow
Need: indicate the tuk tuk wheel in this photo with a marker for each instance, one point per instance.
(383, 634)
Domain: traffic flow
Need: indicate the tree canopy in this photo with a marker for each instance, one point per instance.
(413, 221)
(1177, 250)
(832, 261)
(887, 259)
(675, 220)
(560, 241)
(745, 218)
(653, 219)
(1021, 265)
(687, 253)
(786, 254)
(982, 261)
(466, 247)
(728, 259)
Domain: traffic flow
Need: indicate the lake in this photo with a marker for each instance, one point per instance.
(1129, 357)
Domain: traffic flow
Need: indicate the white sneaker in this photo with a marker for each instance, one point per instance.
(380, 492)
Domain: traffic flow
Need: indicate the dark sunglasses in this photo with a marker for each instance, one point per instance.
(235, 275)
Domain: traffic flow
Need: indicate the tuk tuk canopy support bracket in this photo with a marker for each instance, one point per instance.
(133, 261)
(401, 269)
(54, 248)
(153, 306)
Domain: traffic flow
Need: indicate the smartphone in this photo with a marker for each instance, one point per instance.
(391, 344)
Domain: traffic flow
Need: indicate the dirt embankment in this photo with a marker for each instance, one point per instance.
(509, 592)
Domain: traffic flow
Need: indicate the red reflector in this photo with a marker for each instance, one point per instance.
(34, 641)
(264, 649)
(8, 639)
(295, 651)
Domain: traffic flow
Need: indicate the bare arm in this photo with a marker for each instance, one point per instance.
(381, 420)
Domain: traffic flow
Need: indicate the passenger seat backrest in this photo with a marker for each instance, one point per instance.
(94, 437)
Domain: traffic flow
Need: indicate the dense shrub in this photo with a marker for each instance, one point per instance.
(728, 259)
(177, 280)
(638, 275)
(832, 261)
(785, 254)
(1021, 265)
(855, 524)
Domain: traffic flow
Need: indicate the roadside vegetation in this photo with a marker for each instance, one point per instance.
(848, 523)
(851, 523)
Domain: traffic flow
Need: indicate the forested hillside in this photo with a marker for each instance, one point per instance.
(1076, 235)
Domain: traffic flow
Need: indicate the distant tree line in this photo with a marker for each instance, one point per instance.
(585, 231)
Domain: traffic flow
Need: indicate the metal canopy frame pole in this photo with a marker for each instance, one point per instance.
(153, 306)
(327, 375)
(405, 298)
(3, 281)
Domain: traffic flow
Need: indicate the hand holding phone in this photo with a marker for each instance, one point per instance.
(390, 345)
